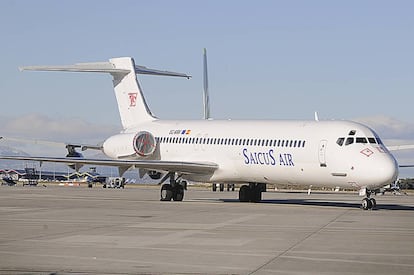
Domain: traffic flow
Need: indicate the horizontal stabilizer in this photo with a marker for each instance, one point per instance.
(145, 70)
(102, 67)
(96, 67)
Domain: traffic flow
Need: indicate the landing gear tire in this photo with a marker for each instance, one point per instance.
(250, 193)
(244, 193)
(166, 192)
(214, 187)
(366, 204)
(221, 187)
(256, 195)
(178, 193)
(373, 203)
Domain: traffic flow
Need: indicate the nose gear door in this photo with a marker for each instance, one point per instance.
(322, 153)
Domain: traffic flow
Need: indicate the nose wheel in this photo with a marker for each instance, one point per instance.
(368, 203)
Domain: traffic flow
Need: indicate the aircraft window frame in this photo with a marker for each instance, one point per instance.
(362, 140)
(340, 141)
(372, 140)
(349, 141)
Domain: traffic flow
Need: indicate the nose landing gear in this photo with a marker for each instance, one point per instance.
(368, 203)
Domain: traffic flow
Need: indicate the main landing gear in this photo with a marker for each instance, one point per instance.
(173, 190)
(252, 192)
(368, 203)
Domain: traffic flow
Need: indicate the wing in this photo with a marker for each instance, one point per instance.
(170, 166)
(400, 147)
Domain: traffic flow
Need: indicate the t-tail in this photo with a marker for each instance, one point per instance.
(133, 108)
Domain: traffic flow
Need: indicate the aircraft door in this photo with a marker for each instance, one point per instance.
(322, 153)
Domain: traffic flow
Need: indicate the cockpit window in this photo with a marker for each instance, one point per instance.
(361, 140)
(340, 141)
(352, 133)
(349, 140)
(372, 140)
(379, 141)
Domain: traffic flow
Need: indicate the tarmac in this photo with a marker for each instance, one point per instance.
(77, 230)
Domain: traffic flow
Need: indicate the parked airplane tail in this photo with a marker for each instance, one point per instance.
(131, 102)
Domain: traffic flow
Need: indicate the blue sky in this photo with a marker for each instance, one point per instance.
(267, 59)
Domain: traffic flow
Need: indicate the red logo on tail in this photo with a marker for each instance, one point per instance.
(132, 99)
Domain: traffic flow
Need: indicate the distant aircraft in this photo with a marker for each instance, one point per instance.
(252, 152)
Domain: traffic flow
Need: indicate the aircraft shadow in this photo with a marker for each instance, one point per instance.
(307, 202)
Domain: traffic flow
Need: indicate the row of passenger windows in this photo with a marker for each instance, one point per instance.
(234, 141)
(350, 140)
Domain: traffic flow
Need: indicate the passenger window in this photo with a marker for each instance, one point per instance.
(349, 141)
(361, 140)
(340, 141)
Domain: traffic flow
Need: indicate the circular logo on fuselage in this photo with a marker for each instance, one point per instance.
(144, 143)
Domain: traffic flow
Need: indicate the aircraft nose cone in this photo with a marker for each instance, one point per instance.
(387, 170)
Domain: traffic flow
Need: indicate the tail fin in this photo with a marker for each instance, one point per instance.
(131, 102)
(206, 98)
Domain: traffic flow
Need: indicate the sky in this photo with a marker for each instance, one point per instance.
(348, 60)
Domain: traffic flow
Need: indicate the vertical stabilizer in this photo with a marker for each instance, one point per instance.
(131, 102)
(206, 97)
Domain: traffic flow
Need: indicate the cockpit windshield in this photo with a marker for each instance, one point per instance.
(351, 139)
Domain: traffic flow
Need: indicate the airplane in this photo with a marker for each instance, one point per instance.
(255, 153)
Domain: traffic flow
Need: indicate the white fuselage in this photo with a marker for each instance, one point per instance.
(273, 151)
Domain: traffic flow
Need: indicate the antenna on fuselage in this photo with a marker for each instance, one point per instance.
(316, 116)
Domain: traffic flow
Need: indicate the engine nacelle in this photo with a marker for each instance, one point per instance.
(72, 153)
(139, 145)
